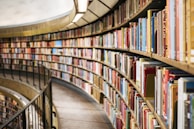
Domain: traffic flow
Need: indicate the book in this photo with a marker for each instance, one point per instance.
(191, 99)
(154, 33)
(149, 28)
(146, 63)
(190, 44)
(187, 30)
(128, 118)
(172, 98)
(185, 86)
(148, 87)
(158, 89)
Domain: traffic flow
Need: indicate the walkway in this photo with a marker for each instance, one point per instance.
(76, 110)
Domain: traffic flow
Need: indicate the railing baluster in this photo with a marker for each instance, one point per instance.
(44, 76)
(50, 100)
(33, 73)
(27, 72)
(43, 110)
(39, 76)
(11, 69)
(20, 67)
(24, 119)
(3, 70)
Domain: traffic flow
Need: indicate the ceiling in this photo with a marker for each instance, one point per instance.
(34, 17)
(26, 12)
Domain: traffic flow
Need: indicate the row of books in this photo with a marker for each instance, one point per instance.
(28, 57)
(8, 107)
(142, 35)
(139, 35)
(84, 85)
(166, 86)
(112, 114)
(143, 115)
(141, 65)
(109, 91)
(137, 77)
(159, 83)
(105, 87)
(122, 118)
(116, 39)
(32, 44)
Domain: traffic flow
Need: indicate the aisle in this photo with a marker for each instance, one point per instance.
(76, 109)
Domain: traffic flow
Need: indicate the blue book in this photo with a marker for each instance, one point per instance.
(121, 86)
(172, 29)
(58, 43)
(33, 56)
(137, 38)
(144, 32)
(140, 34)
(54, 51)
(191, 111)
(153, 33)
(185, 88)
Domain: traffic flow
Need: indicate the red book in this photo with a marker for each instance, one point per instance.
(169, 73)
(145, 119)
(149, 74)
(119, 123)
(113, 77)
(132, 99)
(134, 71)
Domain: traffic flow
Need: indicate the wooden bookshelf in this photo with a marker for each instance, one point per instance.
(128, 47)
(150, 105)
(180, 65)
(147, 100)
(80, 89)
(189, 68)
(146, 54)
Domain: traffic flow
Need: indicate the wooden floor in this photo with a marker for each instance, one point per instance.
(76, 110)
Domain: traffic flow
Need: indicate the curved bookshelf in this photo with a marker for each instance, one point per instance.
(109, 83)
(77, 34)
(147, 100)
(180, 65)
(79, 88)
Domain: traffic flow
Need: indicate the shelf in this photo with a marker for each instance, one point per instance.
(146, 54)
(100, 89)
(151, 4)
(76, 76)
(159, 119)
(150, 106)
(80, 89)
(180, 65)
(132, 113)
(142, 12)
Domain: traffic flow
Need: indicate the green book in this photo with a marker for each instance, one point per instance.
(128, 118)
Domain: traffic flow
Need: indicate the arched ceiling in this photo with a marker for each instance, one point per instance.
(33, 17)
(28, 12)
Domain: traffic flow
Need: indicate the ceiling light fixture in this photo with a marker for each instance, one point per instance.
(81, 8)
(82, 5)
(77, 17)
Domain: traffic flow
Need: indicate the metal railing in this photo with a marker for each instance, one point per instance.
(37, 114)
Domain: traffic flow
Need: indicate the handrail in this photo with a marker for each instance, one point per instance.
(38, 112)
